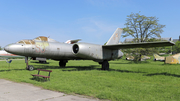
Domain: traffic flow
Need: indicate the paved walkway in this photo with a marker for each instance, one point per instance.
(11, 91)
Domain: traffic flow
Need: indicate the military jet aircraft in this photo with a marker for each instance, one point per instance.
(62, 52)
(143, 57)
(158, 58)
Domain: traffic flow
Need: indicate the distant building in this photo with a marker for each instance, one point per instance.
(128, 40)
(166, 39)
(175, 40)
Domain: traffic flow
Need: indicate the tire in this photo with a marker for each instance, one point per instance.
(31, 68)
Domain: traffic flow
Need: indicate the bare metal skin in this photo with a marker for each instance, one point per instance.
(48, 48)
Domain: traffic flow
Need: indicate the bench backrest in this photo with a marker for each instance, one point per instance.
(44, 70)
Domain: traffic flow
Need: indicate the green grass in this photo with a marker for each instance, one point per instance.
(125, 81)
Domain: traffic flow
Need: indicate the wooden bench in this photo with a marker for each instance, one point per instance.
(45, 77)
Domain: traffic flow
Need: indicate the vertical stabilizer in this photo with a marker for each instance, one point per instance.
(115, 37)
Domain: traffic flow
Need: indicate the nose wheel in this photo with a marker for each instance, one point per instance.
(30, 67)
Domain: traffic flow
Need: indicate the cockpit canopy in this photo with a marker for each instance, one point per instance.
(26, 42)
(40, 38)
(43, 38)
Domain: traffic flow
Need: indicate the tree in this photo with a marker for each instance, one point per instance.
(142, 29)
(176, 47)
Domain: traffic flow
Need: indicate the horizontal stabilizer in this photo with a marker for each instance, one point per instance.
(139, 45)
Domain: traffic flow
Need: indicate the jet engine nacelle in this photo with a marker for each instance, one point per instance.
(88, 51)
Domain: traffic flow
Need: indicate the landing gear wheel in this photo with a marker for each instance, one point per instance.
(30, 67)
(105, 65)
(62, 63)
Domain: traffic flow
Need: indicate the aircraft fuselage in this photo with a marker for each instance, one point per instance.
(63, 51)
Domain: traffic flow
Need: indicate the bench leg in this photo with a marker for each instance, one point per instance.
(45, 79)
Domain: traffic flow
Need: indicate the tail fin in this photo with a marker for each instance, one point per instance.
(156, 56)
(115, 37)
(159, 58)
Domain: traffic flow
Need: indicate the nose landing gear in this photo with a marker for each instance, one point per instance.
(28, 67)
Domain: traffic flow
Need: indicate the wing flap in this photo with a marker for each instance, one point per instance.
(139, 45)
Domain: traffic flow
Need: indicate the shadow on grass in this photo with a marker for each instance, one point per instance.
(166, 64)
(76, 68)
(39, 62)
(84, 68)
(164, 73)
(11, 69)
(45, 67)
(5, 70)
(69, 68)
(126, 71)
(39, 79)
(73, 68)
(132, 62)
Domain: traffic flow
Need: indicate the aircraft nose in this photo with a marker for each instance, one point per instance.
(6, 48)
(14, 48)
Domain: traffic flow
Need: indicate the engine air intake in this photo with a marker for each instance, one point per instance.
(75, 48)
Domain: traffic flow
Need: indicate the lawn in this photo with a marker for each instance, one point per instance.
(125, 81)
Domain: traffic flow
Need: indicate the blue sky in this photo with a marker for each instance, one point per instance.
(93, 21)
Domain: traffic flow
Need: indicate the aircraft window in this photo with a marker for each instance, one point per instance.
(21, 42)
(37, 38)
(32, 42)
(26, 41)
(42, 38)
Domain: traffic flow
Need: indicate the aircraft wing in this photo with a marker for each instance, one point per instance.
(139, 45)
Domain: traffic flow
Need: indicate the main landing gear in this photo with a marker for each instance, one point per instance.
(105, 65)
(62, 63)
